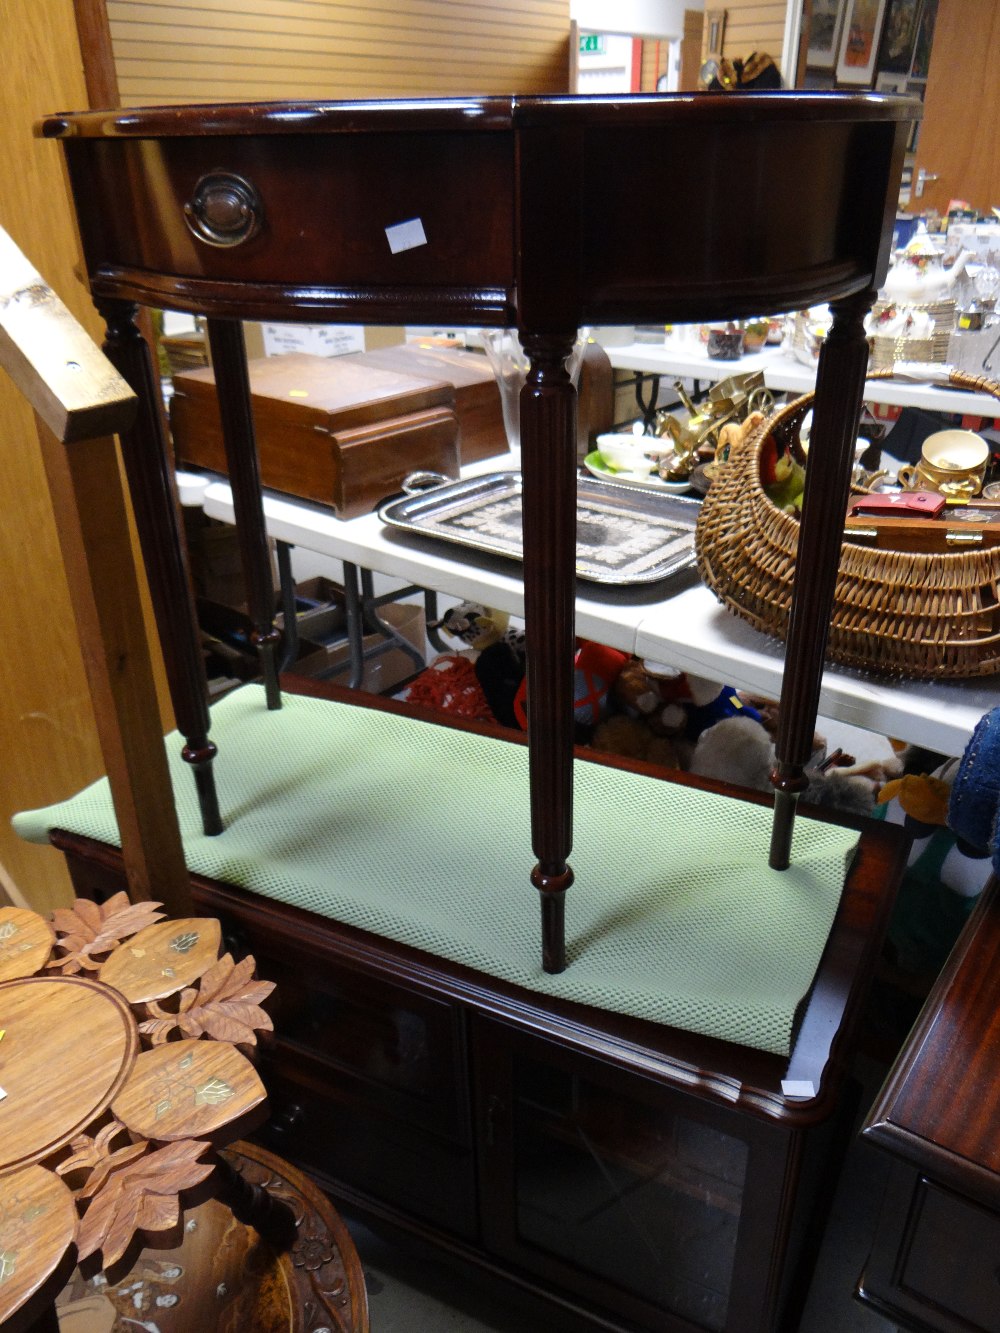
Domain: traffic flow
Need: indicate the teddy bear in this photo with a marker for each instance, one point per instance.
(631, 738)
(670, 704)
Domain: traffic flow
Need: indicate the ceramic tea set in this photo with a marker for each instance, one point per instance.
(952, 462)
(918, 275)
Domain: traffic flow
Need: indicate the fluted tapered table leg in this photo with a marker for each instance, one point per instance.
(548, 463)
(840, 382)
(229, 360)
(150, 472)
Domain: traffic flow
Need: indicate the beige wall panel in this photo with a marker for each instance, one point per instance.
(191, 50)
(48, 739)
(690, 50)
(654, 62)
(754, 25)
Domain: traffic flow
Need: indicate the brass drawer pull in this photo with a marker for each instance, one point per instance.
(225, 210)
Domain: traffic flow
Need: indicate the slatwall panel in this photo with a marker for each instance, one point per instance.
(690, 50)
(655, 55)
(170, 51)
(754, 25)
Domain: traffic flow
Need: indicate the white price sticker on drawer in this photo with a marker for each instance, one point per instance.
(406, 235)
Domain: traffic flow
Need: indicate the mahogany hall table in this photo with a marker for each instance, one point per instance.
(526, 212)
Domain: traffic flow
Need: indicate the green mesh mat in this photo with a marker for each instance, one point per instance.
(420, 833)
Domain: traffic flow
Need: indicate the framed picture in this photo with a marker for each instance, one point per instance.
(713, 34)
(899, 35)
(859, 41)
(825, 27)
(922, 44)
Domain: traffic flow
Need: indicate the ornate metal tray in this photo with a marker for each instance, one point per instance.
(623, 535)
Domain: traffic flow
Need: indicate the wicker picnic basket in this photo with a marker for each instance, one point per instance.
(896, 613)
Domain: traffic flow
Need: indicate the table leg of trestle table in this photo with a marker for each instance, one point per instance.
(232, 383)
(548, 465)
(840, 382)
(152, 484)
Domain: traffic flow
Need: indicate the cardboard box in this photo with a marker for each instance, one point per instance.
(382, 673)
(214, 559)
(328, 429)
(321, 610)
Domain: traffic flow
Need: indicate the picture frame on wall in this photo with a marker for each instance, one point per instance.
(924, 38)
(899, 35)
(859, 42)
(825, 26)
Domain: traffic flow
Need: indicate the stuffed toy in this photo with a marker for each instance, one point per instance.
(632, 739)
(739, 750)
(495, 651)
(595, 672)
(500, 672)
(472, 624)
(675, 703)
(945, 872)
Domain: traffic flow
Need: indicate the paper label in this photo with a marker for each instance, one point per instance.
(405, 235)
(316, 339)
(2, 1094)
(798, 1087)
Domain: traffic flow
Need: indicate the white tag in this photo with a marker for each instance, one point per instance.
(405, 235)
(2, 1094)
(798, 1087)
(316, 339)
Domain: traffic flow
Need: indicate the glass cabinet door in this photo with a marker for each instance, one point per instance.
(632, 1195)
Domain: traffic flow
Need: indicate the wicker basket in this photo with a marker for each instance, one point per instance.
(896, 613)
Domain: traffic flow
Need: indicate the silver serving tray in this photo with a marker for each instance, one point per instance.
(624, 535)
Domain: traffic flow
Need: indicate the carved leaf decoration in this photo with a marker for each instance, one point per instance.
(87, 932)
(140, 1196)
(95, 1156)
(225, 1005)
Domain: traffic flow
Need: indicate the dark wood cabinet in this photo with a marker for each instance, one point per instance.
(935, 1262)
(649, 1178)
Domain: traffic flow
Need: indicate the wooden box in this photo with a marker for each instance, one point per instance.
(328, 429)
(481, 431)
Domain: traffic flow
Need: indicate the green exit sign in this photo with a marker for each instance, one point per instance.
(592, 43)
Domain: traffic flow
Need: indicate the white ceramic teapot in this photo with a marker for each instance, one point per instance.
(918, 275)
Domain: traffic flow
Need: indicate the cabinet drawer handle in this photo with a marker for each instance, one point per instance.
(225, 210)
(286, 1123)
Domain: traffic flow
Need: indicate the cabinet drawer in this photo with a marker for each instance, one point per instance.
(396, 1163)
(951, 1257)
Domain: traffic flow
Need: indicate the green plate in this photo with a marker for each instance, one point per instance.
(597, 467)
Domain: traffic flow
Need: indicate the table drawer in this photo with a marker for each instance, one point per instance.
(304, 211)
(951, 1257)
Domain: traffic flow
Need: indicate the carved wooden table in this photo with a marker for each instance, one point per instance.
(120, 1077)
(526, 212)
